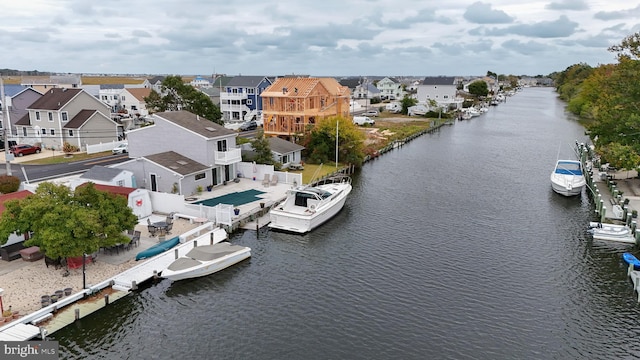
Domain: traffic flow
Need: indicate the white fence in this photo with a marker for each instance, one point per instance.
(96, 148)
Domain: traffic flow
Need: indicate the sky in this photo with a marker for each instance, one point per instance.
(317, 38)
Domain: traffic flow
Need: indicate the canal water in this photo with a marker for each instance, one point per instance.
(451, 247)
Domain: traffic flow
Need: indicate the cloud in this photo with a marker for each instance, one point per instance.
(562, 27)
(614, 15)
(481, 13)
(525, 48)
(576, 5)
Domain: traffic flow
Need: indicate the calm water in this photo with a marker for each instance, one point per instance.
(452, 247)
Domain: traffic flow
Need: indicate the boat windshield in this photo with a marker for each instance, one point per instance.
(568, 168)
(310, 193)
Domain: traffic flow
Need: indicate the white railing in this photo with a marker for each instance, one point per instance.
(228, 157)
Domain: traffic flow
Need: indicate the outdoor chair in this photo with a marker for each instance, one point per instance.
(169, 220)
(265, 181)
(169, 227)
(274, 179)
(152, 230)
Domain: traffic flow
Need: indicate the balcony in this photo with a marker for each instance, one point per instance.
(229, 157)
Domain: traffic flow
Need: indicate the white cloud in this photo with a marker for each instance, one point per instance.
(330, 37)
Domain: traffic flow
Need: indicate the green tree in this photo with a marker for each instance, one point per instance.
(66, 223)
(320, 143)
(262, 148)
(479, 88)
(406, 103)
(181, 96)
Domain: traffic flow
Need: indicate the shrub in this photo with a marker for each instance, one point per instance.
(9, 184)
(68, 148)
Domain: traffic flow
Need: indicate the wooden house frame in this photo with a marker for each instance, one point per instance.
(290, 105)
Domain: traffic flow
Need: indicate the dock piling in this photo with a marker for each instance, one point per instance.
(77, 313)
(106, 299)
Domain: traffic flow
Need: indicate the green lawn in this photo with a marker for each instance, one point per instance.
(61, 159)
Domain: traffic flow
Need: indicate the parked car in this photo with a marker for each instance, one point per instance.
(249, 125)
(372, 112)
(24, 149)
(12, 143)
(122, 148)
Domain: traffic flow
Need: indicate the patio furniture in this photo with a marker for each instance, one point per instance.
(274, 179)
(265, 181)
(152, 230)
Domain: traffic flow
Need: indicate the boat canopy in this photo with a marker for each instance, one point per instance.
(310, 193)
(568, 168)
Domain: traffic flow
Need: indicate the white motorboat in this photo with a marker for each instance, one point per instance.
(612, 232)
(205, 260)
(568, 178)
(307, 207)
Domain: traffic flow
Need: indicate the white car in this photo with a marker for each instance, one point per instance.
(363, 120)
(372, 112)
(120, 149)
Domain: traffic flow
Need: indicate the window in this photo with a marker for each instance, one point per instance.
(446, 96)
(120, 183)
(65, 116)
(52, 131)
(24, 131)
(122, 98)
(105, 97)
(50, 114)
(43, 131)
(70, 132)
(250, 90)
(249, 102)
(200, 176)
(133, 107)
(37, 116)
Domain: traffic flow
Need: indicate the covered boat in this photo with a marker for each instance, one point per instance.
(612, 232)
(204, 260)
(568, 178)
(158, 248)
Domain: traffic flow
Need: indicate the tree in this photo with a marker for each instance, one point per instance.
(406, 103)
(9, 184)
(181, 96)
(66, 223)
(262, 148)
(479, 88)
(320, 143)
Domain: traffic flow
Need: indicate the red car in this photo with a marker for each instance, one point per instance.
(24, 149)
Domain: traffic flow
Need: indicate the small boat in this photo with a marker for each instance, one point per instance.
(158, 248)
(568, 178)
(307, 207)
(612, 232)
(205, 260)
(631, 260)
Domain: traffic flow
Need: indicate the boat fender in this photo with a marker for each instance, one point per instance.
(312, 207)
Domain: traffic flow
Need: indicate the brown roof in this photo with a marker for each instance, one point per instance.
(139, 93)
(117, 190)
(54, 99)
(80, 119)
(24, 120)
(286, 87)
(195, 123)
(177, 163)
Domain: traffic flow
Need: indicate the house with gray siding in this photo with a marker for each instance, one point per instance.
(66, 115)
(441, 89)
(180, 152)
(18, 98)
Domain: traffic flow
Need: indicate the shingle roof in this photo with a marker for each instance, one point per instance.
(54, 99)
(177, 163)
(439, 80)
(282, 146)
(111, 86)
(246, 81)
(139, 93)
(24, 120)
(80, 119)
(101, 173)
(195, 123)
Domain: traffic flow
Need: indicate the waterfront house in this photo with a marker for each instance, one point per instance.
(66, 115)
(240, 98)
(366, 91)
(106, 176)
(441, 89)
(292, 104)
(180, 152)
(132, 101)
(285, 152)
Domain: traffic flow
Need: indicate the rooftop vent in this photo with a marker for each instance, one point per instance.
(210, 128)
(173, 167)
(182, 162)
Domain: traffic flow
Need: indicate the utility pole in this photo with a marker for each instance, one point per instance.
(6, 130)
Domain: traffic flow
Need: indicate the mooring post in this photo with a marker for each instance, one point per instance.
(155, 274)
(195, 243)
(134, 285)
(175, 252)
(106, 299)
(77, 313)
(604, 211)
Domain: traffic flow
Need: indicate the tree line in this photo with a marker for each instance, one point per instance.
(607, 100)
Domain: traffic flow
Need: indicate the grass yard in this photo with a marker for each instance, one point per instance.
(61, 159)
